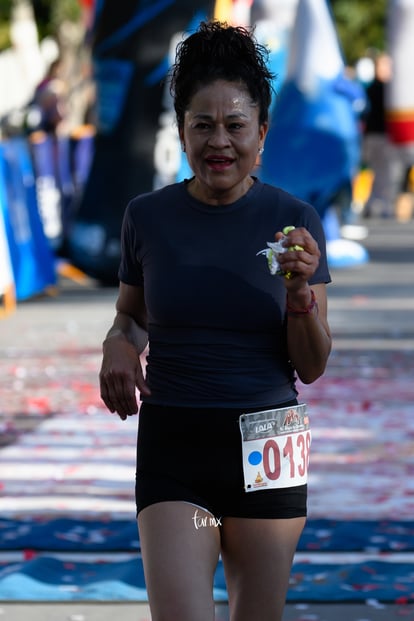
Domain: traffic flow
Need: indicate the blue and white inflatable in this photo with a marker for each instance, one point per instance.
(313, 146)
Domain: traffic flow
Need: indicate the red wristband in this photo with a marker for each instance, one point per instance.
(299, 312)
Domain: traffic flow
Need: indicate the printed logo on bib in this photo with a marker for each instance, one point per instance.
(276, 447)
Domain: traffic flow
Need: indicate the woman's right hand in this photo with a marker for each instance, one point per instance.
(121, 373)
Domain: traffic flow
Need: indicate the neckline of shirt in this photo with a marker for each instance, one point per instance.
(219, 209)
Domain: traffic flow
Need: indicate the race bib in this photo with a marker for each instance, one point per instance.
(276, 446)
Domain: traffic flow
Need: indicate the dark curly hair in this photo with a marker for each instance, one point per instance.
(217, 51)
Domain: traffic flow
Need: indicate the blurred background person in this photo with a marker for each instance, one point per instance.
(376, 145)
(50, 100)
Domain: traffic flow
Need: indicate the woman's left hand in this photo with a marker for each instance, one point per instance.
(298, 265)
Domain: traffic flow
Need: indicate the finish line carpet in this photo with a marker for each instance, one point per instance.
(67, 468)
(72, 559)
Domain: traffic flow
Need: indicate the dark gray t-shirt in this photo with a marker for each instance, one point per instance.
(217, 335)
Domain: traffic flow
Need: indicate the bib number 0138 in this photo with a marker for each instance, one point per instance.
(294, 454)
(276, 448)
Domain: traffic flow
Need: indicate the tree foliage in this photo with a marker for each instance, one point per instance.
(49, 15)
(360, 25)
(5, 10)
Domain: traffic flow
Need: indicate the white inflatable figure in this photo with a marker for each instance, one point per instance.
(400, 100)
(313, 146)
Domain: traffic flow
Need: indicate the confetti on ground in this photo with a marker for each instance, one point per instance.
(68, 473)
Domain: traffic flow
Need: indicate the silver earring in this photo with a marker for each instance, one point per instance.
(261, 149)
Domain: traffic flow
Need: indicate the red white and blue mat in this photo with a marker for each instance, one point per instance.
(67, 527)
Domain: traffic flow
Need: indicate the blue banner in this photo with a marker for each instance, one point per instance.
(48, 164)
(31, 256)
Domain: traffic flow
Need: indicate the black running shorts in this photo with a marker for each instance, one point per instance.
(194, 455)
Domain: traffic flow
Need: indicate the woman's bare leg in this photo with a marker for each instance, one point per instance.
(180, 546)
(257, 556)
